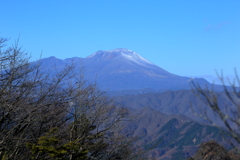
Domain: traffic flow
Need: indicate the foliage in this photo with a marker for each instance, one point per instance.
(52, 146)
(212, 150)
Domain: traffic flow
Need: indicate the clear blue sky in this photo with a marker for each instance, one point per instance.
(185, 37)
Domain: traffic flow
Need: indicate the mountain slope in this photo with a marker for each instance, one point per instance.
(171, 136)
(174, 102)
(123, 69)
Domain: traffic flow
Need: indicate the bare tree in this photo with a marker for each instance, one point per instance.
(99, 125)
(33, 101)
(225, 108)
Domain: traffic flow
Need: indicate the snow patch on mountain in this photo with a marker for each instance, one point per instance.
(120, 53)
(136, 58)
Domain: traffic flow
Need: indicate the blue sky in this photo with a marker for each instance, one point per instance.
(186, 37)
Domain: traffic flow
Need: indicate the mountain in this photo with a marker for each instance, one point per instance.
(123, 69)
(174, 102)
(169, 137)
(161, 100)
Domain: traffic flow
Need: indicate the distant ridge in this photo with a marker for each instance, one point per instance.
(123, 69)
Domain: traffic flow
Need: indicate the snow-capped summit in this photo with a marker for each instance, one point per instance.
(120, 53)
(115, 52)
(122, 69)
(123, 50)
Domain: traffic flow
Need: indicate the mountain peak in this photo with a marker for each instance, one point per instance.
(121, 53)
(123, 50)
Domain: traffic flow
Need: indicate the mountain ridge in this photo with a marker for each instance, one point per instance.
(123, 69)
(171, 136)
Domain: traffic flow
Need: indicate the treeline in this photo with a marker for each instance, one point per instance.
(45, 115)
